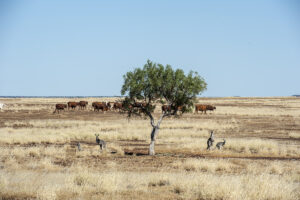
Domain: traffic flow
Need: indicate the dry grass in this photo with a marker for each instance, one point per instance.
(188, 135)
(39, 158)
(82, 182)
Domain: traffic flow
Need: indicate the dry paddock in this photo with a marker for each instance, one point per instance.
(260, 160)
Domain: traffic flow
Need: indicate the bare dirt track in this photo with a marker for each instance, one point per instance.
(262, 134)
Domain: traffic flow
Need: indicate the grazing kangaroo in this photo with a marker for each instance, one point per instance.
(221, 144)
(210, 140)
(101, 143)
(78, 146)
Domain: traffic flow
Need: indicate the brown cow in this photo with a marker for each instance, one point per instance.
(169, 108)
(83, 104)
(118, 105)
(110, 105)
(72, 104)
(210, 107)
(100, 106)
(139, 104)
(180, 109)
(59, 107)
(199, 107)
(166, 108)
(204, 108)
(95, 103)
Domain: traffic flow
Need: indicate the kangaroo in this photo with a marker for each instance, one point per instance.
(101, 143)
(221, 144)
(78, 146)
(210, 140)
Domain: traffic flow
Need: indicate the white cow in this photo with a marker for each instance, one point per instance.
(1, 106)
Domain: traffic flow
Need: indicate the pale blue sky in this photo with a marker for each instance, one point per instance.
(83, 48)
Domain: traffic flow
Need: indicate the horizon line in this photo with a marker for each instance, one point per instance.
(120, 96)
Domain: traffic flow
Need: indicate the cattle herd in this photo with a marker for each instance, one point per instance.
(97, 106)
(118, 106)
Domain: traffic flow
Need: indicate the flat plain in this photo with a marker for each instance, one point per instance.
(261, 158)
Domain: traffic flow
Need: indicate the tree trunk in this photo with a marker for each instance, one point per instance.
(152, 143)
(154, 132)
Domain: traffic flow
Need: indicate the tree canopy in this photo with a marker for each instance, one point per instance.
(157, 82)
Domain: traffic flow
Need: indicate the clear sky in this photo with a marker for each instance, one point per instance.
(83, 48)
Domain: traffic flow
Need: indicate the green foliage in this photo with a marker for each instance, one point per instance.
(155, 82)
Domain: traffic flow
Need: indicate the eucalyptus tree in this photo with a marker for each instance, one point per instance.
(154, 84)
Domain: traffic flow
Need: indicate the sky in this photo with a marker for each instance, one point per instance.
(83, 48)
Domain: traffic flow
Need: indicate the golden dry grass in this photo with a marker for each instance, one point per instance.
(261, 158)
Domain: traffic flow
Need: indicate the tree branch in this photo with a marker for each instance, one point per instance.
(151, 118)
(160, 119)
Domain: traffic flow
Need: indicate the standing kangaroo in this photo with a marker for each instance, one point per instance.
(210, 140)
(78, 146)
(101, 143)
(221, 144)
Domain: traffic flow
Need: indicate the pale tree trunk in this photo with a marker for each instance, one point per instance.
(152, 143)
(153, 135)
